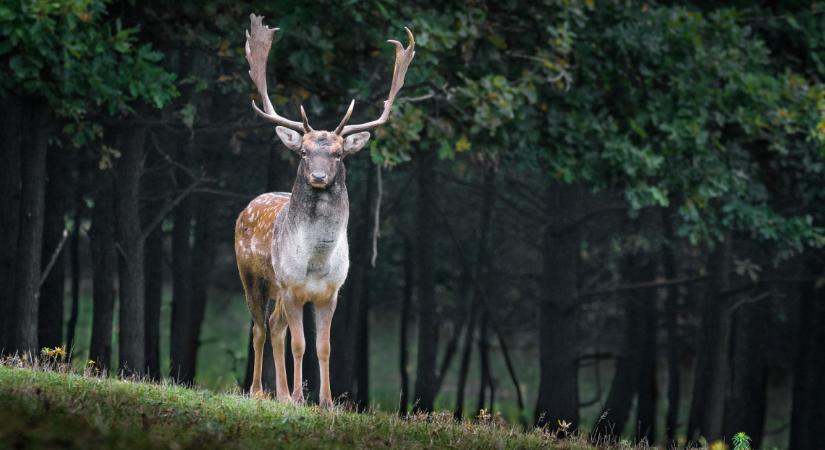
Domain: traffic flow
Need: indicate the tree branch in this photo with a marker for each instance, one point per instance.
(167, 208)
(52, 260)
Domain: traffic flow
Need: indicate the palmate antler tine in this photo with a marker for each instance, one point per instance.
(403, 57)
(258, 42)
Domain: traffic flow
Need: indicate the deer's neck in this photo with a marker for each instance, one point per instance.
(319, 216)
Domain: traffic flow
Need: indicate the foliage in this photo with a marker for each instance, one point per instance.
(72, 58)
(677, 106)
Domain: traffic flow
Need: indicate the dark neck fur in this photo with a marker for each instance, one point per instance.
(312, 205)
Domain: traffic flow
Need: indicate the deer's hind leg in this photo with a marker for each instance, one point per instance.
(277, 333)
(255, 301)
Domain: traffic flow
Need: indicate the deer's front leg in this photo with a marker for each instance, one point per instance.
(295, 317)
(323, 324)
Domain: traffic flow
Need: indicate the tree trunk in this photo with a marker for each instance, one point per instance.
(181, 286)
(484, 362)
(406, 301)
(154, 292)
(633, 367)
(464, 366)
(155, 190)
(425, 378)
(558, 328)
(74, 263)
(747, 399)
(710, 381)
(50, 313)
(104, 265)
(362, 345)
(181, 368)
(187, 318)
(132, 317)
(808, 414)
(672, 300)
(30, 233)
(9, 202)
(646, 404)
(363, 260)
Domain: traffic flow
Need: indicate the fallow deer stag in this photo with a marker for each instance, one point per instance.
(292, 247)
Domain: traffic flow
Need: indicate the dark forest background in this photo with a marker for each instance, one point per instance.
(603, 213)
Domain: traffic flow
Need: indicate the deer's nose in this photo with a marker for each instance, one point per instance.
(318, 177)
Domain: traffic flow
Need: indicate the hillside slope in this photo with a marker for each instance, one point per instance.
(41, 409)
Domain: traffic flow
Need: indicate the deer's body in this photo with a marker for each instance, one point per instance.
(298, 246)
(292, 248)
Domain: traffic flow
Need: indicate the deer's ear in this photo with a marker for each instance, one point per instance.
(355, 142)
(291, 138)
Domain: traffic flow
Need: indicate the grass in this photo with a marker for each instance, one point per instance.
(48, 409)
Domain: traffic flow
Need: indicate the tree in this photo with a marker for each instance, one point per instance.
(105, 62)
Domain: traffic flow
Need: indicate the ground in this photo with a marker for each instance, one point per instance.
(47, 409)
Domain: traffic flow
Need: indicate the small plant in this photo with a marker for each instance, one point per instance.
(53, 353)
(741, 441)
(564, 427)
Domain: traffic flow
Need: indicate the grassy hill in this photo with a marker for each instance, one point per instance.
(46, 409)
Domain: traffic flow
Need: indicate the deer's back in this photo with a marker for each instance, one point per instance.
(254, 231)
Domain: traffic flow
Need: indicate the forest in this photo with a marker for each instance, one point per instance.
(605, 216)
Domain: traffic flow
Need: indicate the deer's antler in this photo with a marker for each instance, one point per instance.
(403, 57)
(258, 42)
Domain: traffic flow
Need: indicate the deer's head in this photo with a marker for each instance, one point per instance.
(322, 152)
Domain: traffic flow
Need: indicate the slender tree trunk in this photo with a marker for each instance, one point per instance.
(181, 287)
(132, 317)
(74, 309)
(484, 361)
(155, 189)
(182, 367)
(10, 140)
(464, 366)
(647, 395)
(808, 414)
(710, 381)
(362, 328)
(362, 346)
(558, 328)
(427, 344)
(104, 266)
(50, 313)
(154, 292)
(747, 399)
(406, 301)
(203, 257)
(672, 300)
(477, 296)
(30, 233)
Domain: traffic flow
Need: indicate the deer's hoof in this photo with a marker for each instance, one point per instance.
(325, 403)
